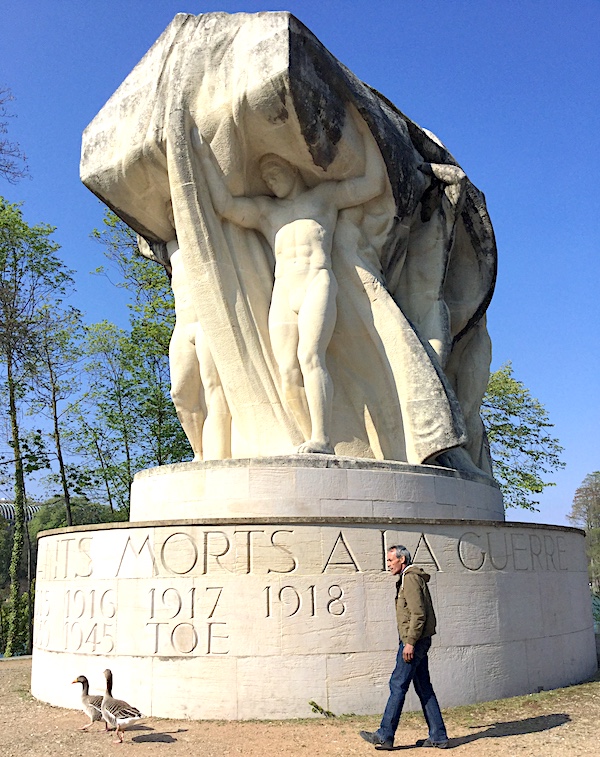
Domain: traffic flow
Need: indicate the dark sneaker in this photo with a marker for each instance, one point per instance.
(374, 738)
(434, 744)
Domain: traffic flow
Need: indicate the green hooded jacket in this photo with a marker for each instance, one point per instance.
(414, 608)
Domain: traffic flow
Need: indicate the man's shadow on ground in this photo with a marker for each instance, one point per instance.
(506, 728)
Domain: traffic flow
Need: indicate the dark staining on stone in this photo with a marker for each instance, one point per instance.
(283, 114)
(319, 106)
(431, 199)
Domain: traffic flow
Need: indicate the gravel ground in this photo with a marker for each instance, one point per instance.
(563, 722)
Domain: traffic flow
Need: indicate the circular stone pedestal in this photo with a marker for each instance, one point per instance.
(266, 588)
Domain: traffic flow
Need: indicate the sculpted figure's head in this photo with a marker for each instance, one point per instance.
(279, 175)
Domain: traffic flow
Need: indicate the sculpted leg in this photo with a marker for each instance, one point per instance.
(435, 327)
(186, 386)
(283, 330)
(316, 322)
(426, 266)
(468, 371)
(216, 437)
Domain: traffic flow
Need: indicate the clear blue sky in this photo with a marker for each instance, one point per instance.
(510, 87)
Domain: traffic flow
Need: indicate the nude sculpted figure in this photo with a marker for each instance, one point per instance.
(196, 388)
(299, 224)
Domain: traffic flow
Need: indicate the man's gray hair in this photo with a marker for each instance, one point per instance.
(401, 552)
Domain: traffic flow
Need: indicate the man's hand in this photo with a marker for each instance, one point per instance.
(408, 652)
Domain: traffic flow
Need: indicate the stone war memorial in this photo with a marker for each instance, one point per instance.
(331, 265)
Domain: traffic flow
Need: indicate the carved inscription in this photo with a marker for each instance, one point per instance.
(518, 551)
(68, 557)
(307, 603)
(421, 550)
(186, 622)
(341, 557)
(185, 591)
(89, 621)
(241, 551)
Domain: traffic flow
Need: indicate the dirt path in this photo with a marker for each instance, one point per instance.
(564, 722)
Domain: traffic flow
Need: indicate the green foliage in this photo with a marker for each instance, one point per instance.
(32, 277)
(522, 447)
(52, 515)
(596, 607)
(5, 550)
(585, 513)
(320, 710)
(152, 307)
(60, 336)
(16, 624)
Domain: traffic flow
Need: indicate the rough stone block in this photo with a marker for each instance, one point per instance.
(371, 485)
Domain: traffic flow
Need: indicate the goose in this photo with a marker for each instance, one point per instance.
(116, 712)
(90, 703)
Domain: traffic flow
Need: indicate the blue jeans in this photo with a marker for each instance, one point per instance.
(417, 671)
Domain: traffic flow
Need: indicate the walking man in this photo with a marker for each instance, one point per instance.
(416, 626)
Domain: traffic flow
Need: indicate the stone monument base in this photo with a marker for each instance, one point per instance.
(215, 614)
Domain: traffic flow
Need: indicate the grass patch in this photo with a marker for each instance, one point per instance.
(24, 695)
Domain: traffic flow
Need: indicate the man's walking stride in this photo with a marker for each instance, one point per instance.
(416, 626)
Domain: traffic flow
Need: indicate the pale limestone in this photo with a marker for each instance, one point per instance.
(314, 483)
(305, 606)
(371, 485)
(278, 160)
(411, 488)
(449, 491)
(346, 508)
(260, 490)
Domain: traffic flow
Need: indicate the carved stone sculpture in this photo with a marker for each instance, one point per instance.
(331, 261)
(331, 266)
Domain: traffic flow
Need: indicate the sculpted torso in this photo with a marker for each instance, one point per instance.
(300, 232)
(299, 223)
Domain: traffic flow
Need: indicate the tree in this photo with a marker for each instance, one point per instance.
(31, 277)
(13, 164)
(585, 513)
(112, 400)
(59, 337)
(521, 445)
(129, 370)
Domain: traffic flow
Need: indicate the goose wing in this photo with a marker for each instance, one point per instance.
(92, 705)
(119, 711)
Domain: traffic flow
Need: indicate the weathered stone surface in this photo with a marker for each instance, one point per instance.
(312, 486)
(257, 602)
(395, 366)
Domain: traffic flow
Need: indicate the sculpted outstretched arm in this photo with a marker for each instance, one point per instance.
(352, 192)
(446, 173)
(452, 176)
(244, 211)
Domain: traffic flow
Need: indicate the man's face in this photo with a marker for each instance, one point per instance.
(279, 178)
(394, 564)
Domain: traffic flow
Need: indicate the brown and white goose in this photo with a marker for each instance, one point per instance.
(116, 712)
(90, 703)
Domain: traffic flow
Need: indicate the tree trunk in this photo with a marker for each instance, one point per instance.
(59, 455)
(14, 619)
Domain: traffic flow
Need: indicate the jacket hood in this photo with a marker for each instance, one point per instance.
(416, 569)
